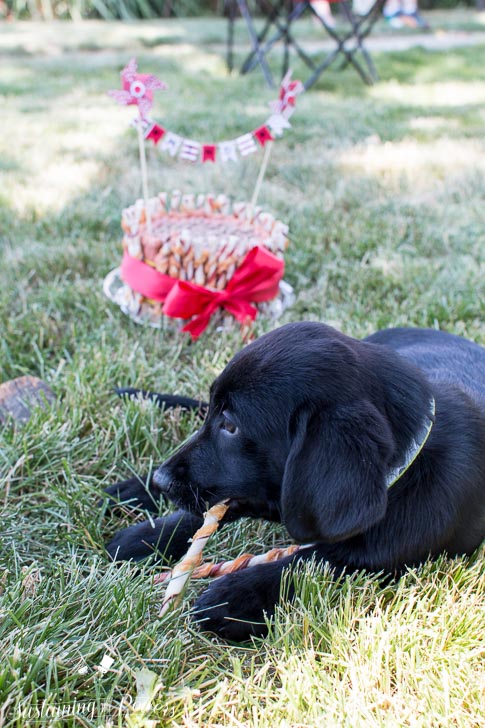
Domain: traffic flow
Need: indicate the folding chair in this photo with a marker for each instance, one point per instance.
(350, 41)
(279, 17)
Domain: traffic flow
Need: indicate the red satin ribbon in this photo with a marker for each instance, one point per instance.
(145, 279)
(256, 280)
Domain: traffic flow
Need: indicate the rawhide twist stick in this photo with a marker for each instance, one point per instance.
(245, 561)
(193, 558)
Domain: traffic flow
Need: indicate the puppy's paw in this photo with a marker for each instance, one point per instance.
(236, 607)
(136, 492)
(164, 538)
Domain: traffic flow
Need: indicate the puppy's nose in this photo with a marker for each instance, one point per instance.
(162, 479)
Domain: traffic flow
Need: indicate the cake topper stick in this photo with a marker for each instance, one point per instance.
(283, 108)
(137, 89)
(144, 174)
(262, 171)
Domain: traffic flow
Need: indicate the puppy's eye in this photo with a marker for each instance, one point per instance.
(228, 425)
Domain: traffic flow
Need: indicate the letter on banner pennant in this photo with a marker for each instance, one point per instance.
(246, 144)
(171, 143)
(189, 150)
(144, 123)
(228, 151)
(277, 123)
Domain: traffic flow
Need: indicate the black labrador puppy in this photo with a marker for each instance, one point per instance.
(372, 450)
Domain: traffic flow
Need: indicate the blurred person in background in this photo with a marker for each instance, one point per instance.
(322, 9)
(404, 14)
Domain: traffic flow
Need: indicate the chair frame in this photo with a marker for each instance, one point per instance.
(281, 16)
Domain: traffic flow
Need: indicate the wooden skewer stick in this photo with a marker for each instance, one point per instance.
(262, 171)
(144, 173)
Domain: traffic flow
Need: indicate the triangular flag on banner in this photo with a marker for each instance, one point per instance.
(263, 135)
(155, 133)
(209, 152)
(246, 145)
(228, 151)
(278, 123)
(189, 150)
(171, 143)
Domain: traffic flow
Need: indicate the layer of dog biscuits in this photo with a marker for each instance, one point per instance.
(201, 239)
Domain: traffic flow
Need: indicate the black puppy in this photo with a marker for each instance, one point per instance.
(373, 450)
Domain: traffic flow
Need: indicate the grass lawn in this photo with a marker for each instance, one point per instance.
(384, 191)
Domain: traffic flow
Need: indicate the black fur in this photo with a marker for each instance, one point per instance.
(303, 426)
(164, 401)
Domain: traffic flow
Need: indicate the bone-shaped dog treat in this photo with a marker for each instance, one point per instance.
(191, 566)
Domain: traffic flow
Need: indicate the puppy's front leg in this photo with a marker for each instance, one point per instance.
(235, 606)
(165, 538)
(137, 492)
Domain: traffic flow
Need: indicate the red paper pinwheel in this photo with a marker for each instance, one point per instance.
(137, 88)
(289, 90)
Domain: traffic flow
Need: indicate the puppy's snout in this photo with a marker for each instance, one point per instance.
(162, 479)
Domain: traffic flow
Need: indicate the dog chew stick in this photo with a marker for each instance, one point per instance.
(245, 561)
(193, 558)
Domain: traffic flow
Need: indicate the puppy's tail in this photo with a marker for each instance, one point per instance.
(164, 401)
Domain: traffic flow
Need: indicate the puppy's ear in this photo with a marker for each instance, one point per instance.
(334, 480)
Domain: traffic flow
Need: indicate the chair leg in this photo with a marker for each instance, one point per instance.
(363, 27)
(231, 18)
(359, 35)
(282, 31)
(255, 41)
(358, 32)
(320, 69)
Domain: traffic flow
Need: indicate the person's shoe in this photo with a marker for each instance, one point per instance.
(396, 20)
(415, 20)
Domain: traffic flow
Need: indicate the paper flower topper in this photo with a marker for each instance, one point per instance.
(137, 89)
(289, 90)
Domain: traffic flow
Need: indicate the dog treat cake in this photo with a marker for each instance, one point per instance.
(199, 238)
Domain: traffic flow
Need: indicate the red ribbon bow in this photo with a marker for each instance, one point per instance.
(256, 280)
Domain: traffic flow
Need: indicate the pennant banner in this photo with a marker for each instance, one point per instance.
(225, 151)
(233, 149)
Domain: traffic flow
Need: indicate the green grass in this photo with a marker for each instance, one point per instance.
(384, 190)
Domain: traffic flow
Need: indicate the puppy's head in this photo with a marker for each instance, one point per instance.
(296, 429)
